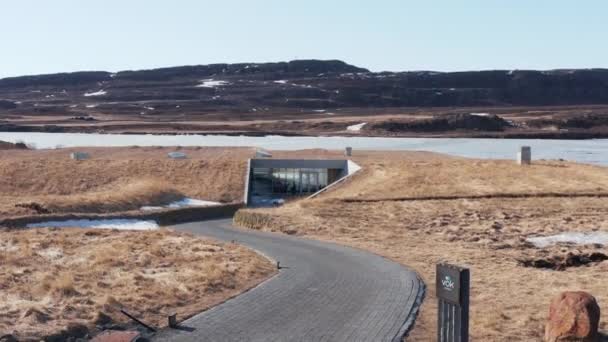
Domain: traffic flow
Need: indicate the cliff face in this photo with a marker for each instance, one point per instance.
(303, 84)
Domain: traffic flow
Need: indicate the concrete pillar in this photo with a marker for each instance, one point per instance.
(79, 155)
(348, 152)
(524, 156)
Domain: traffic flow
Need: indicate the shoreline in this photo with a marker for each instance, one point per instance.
(444, 135)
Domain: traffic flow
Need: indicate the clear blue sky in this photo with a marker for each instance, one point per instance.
(67, 35)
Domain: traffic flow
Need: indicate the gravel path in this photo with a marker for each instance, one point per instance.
(324, 292)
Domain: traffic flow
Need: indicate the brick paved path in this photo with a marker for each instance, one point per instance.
(326, 292)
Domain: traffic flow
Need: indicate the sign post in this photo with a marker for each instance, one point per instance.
(452, 287)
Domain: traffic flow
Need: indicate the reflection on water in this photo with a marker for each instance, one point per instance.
(586, 151)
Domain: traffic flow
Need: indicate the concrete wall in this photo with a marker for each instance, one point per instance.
(247, 185)
(299, 163)
(163, 218)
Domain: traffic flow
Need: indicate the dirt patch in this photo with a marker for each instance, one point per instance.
(55, 280)
(562, 262)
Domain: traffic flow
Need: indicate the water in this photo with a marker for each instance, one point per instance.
(586, 151)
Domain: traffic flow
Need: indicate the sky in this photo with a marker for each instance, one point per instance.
(40, 36)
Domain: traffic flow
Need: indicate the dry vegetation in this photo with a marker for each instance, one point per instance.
(117, 179)
(52, 279)
(509, 301)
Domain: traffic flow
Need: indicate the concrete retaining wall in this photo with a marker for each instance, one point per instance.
(163, 218)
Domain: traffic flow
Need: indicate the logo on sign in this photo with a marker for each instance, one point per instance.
(448, 283)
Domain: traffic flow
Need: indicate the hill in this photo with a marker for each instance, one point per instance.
(303, 89)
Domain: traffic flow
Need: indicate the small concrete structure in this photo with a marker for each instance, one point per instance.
(348, 151)
(176, 155)
(259, 153)
(524, 156)
(271, 181)
(80, 155)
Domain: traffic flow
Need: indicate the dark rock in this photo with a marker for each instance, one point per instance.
(445, 123)
(561, 262)
(37, 207)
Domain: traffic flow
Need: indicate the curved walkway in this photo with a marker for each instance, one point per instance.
(324, 292)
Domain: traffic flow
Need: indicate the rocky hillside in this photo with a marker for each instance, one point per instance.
(10, 146)
(308, 85)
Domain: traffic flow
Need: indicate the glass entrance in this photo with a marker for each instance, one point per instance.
(309, 181)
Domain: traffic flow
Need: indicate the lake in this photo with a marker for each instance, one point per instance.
(593, 151)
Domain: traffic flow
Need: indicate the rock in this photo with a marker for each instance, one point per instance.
(103, 319)
(35, 316)
(8, 338)
(573, 316)
(497, 225)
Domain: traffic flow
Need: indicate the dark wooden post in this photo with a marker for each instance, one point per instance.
(452, 287)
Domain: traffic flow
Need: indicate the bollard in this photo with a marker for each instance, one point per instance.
(348, 151)
(524, 156)
(173, 321)
(79, 155)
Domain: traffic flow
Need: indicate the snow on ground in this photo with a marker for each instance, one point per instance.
(211, 83)
(319, 110)
(97, 93)
(356, 128)
(91, 106)
(281, 81)
(480, 114)
(571, 237)
(186, 202)
(123, 224)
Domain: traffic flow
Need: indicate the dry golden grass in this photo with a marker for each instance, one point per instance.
(465, 177)
(117, 179)
(52, 278)
(117, 197)
(509, 301)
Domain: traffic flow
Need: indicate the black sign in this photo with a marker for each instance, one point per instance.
(449, 283)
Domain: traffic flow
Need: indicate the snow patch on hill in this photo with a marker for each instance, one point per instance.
(211, 83)
(96, 93)
(356, 128)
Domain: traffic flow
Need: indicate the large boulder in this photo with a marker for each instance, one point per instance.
(573, 316)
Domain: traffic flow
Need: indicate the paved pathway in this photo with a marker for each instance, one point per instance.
(326, 292)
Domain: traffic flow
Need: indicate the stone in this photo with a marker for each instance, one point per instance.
(177, 155)
(573, 316)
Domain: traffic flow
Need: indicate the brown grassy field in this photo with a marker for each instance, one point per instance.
(117, 179)
(51, 279)
(509, 301)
